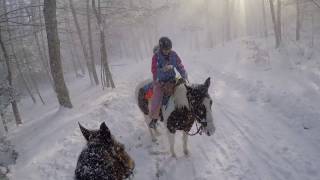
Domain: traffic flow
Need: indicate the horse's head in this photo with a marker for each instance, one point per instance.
(123, 164)
(201, 103)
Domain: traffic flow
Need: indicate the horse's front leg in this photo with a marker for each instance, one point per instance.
(171, 138)
(185, 144)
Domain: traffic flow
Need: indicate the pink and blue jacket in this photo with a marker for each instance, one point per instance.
(159, 61)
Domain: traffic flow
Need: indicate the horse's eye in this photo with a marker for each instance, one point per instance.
(210, 102)
(205, 124)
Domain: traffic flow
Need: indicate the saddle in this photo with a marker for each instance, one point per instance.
(169, 87)
(166, 87)
(146, 93)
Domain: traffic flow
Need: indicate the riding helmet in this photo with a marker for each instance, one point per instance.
(165, 43)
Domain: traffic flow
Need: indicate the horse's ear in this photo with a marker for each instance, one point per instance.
(105, 130)
(85, 132)
(207, 82)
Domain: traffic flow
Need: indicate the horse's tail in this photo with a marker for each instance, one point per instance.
(140, 94)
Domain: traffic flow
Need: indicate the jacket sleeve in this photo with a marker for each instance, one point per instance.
(154, 67)
(180, 68)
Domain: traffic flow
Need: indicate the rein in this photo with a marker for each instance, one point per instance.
(199, 130)
(193, 114)
(197, 120)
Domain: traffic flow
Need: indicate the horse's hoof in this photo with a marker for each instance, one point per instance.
(173, 155)
(154, 139)
(157, 133)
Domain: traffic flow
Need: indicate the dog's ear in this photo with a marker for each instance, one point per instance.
(105, 130)
(85, 132)
(207, 82)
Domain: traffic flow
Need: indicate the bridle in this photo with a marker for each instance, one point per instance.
(198, 120)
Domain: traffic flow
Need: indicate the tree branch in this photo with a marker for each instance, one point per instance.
(316, 3)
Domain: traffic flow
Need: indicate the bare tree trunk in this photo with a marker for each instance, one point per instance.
(298, 26)
(14, 104)
(265, 28)
(75, 58)
(227, 17)
(134, 51)
(276, 35)
(43, 59)
(4, 122)
(137, 43)
(34, 82)
(312, 30)
(37, 89)
(44, 46)
(106, 74)
(23, 77)
(146, 46)
(74, 63)
(279, 21)
(9, 78)
(25, 57)
(121, 51)
(93, 65)
(76, 55)
(41, 53)
(85, 53)
(49, 12)
(209, 25)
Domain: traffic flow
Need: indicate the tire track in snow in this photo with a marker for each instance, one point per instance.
(226, 154)
(274, 137)
(290, 168)
(276, 165)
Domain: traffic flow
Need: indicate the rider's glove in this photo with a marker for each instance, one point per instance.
(185, 77)
(167, 68)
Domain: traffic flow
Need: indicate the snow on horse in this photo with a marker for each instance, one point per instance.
(187, 105)
(104, 158)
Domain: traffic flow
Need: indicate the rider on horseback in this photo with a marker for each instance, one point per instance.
(164, 61)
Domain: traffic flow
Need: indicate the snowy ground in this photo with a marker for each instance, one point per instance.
(266, 113)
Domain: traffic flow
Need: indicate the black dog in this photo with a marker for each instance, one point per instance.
(104, 158)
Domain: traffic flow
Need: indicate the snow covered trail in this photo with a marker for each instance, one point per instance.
(256, 138)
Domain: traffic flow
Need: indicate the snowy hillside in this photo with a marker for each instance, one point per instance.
(266, 109)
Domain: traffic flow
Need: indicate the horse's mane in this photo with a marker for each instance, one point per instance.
(180, 97)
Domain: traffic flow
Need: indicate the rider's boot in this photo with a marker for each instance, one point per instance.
(153, 124)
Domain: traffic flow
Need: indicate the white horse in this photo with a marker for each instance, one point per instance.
(189, 104)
